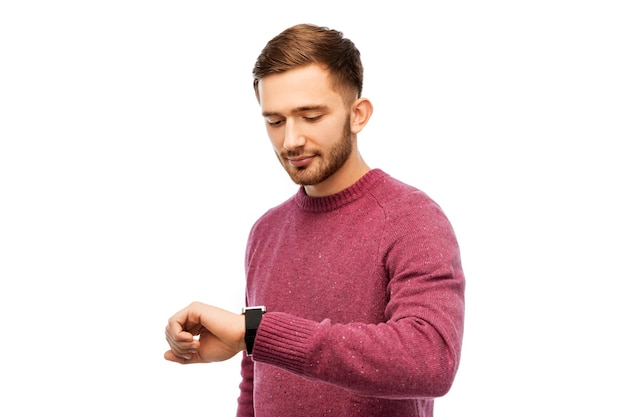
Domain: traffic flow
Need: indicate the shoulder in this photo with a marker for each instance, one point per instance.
(408, 210)
(396, 196)
(275, 215)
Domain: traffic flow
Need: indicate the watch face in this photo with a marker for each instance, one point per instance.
(253, 317)
(253, 320)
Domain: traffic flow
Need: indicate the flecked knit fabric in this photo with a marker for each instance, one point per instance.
(365, 297)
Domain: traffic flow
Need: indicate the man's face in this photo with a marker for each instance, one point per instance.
(307, 122)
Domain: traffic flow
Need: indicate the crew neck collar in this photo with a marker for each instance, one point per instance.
(343, 197)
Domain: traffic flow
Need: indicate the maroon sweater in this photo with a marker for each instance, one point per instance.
(365, 298)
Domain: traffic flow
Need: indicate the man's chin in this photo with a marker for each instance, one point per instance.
(300, 176)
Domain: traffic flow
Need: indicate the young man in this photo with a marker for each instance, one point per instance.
(359, 274)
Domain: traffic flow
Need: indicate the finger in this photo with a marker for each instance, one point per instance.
(180, 338)
(182, 346)
(172, 357)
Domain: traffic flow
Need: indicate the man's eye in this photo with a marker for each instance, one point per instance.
(312, 118)
(274, 123)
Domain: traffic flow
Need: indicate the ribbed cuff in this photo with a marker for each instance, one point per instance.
(284, 340)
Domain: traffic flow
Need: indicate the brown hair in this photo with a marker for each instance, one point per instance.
(305, 44)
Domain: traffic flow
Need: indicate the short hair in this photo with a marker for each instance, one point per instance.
(305, 44)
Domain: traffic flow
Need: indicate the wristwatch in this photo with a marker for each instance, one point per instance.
(253, 319)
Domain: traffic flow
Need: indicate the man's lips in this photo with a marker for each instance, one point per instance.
(300, 161)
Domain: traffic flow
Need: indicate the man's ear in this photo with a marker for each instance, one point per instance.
(362, 110)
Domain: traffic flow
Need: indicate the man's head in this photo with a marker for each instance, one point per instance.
(308, 82)
(306, 44)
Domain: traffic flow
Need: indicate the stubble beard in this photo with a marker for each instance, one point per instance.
(328, 163)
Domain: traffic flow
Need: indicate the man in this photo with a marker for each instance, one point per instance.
(359, 274)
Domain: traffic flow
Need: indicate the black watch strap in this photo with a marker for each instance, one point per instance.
(253, 320)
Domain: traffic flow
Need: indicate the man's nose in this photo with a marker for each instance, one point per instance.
(294, 137)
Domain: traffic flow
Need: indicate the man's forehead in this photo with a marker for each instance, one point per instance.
(300, 89)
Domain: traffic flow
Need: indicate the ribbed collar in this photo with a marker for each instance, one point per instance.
(335, 201)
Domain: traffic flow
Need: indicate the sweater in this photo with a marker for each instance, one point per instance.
(364, 292)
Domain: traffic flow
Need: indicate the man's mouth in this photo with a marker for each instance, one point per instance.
(300, 161)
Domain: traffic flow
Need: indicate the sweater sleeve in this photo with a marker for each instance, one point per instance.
(415, 352)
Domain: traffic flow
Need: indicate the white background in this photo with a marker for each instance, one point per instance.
(133, 161)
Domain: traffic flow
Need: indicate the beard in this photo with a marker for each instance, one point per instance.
(329, 162)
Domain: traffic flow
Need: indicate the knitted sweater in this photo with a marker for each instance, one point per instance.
(365, 304)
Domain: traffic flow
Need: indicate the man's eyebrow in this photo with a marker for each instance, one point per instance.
(297, 110)
(309, 108)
